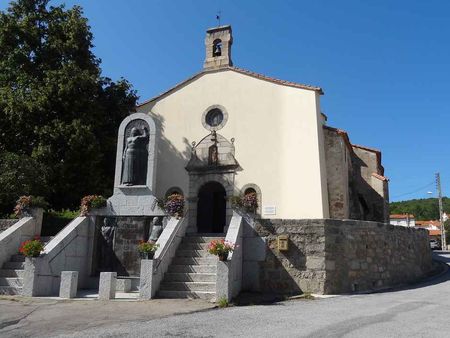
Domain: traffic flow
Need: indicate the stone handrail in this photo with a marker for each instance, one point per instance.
(229, 273)
(24, 229)
(152, 271)
(69, 250)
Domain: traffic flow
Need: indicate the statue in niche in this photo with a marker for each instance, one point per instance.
(213, 152)
(135, 157)
(157, 228)
(108, 232)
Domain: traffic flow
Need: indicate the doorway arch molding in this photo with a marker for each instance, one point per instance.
(196, 181)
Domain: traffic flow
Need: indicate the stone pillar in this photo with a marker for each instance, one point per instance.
(69, 284)
(123, 285)
(146, 287)
(30, 277)
(37, 214)
(224, 281)
(107, 285)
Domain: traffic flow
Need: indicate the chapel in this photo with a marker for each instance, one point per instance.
(228, 131)
(228, 182)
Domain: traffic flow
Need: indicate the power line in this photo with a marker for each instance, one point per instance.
(418, 189)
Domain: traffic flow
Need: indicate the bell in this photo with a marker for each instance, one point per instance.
(217, 50)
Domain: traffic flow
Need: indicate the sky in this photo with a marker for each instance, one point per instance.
(384, 65)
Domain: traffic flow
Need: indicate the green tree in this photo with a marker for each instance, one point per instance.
(422, 209)
(56, 108)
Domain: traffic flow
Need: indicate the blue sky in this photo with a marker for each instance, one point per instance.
(384, 65)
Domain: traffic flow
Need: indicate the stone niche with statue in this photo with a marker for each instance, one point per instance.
(132, 214)
(135, 174)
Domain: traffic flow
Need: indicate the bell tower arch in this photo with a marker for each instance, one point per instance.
(218, 43)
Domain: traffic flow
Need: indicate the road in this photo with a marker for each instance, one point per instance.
(419, 311)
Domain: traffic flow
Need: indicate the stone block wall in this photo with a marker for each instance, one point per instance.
(328, 256)
(369, 255)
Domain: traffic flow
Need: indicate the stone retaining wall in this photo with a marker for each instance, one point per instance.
(332, 256)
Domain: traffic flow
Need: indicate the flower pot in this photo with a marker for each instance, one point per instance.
(223, 257)
(147, 255)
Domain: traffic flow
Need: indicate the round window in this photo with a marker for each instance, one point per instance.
(214, 117)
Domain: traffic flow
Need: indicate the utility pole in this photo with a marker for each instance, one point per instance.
(441, 212)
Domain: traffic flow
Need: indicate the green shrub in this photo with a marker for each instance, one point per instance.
(223, 302)
(55, 221)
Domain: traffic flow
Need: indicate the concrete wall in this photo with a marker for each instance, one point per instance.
(70, 250)
(277, 131)
(24, 229)
(332, 256)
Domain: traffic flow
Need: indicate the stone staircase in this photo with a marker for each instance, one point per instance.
(11, 273)
(193, 271)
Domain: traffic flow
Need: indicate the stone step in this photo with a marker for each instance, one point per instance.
(17, 258)
(194, 260)
(205, 234)
(11, 281)
(11, 273)
(199, 239)
(193, 268)
(10, 290)
(188, 286)
(14, 265)
(193, 246)
(192, 253)
(211, 296)
(190, 277)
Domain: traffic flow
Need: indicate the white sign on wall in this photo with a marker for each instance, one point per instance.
(269, 210)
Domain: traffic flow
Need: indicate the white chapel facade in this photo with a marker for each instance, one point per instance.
(225, 130)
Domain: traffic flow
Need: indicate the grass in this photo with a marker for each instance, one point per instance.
(223, 302)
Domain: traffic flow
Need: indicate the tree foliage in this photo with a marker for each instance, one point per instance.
(422, 209)
(58, 114)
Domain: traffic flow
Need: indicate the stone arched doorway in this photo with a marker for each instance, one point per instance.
(211, 208)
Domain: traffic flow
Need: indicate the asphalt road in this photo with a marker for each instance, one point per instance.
(419, 311)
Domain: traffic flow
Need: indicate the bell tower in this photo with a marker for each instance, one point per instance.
(218, 47)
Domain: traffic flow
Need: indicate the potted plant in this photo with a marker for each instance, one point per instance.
(220, 248)
(174, 205)
(32, 247)
(25, 203)
(250, 202)
(91, 202)
(147, 249)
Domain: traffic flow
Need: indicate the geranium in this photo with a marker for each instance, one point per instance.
(220, 247)
(24, 203)
(147, 247)
(91, 202)
(174, 205)
(250, 201)
(32, 247)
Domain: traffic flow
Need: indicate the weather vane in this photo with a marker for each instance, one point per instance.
(218, 17)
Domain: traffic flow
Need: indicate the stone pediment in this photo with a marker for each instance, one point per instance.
(213, 153)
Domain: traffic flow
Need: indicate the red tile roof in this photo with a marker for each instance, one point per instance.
(401, 216)
(380, 177)
(434, 232)
(277, 81)
(428, 223)
(238, 70)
